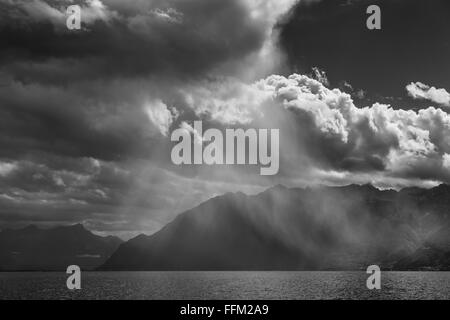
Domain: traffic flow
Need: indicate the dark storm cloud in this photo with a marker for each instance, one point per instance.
(109, 121)
(85, 115)
(183, 38)
(413, 44)
(50, 99)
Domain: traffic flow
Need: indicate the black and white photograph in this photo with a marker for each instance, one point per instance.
(244, 150)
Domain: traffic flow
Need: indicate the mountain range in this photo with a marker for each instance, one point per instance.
(36, 249)
(323, 228)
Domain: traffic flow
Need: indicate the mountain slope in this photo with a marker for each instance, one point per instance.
(32, 248)
(284, 229)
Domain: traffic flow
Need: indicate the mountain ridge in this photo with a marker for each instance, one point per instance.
(300, 229)
(32, 248)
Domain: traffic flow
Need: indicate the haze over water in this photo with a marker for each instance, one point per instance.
(225, 285)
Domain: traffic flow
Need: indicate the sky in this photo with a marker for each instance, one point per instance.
(86, 115)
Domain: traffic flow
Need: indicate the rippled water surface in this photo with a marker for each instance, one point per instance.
(225, 285)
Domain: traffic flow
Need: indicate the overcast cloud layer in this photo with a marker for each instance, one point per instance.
(86, 116)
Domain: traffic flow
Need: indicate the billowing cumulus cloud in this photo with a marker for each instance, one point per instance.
(419, 90)
(338, 136)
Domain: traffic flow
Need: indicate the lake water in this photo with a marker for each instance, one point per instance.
(225, 285)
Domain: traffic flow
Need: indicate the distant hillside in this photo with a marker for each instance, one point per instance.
(32, 248)
(301, 229)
